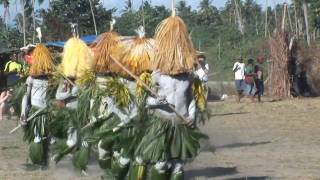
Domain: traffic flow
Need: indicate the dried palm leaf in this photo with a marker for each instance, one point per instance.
(42, 61)
(108, 46)
(175, 49)
(138, 53)
(77, 58)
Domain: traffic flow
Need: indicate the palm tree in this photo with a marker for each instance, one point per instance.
(305, 13)
(6, 13)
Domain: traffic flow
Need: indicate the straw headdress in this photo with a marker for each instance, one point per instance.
(42, 63)
(77, 58)
(175, 49)
(108, 46)
(138, 53)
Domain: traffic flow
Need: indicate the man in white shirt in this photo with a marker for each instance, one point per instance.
(238, 69)
(202, 71)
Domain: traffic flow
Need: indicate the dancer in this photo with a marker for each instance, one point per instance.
(172, 139)
(35, 113)
(73, 116)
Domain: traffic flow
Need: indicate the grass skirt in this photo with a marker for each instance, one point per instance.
(167, 140)
(38, 125)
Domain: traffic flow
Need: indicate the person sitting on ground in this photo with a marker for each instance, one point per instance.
(238, 69)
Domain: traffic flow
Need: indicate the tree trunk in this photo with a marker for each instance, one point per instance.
(296, 20)
(24, 24)
(143, 18)
(18, 19)
(34, 21)
(266, 21)
(289, 17)
(305, 13)
(257, 28)
(284, 18)
(94, 19)
(275, 15)
(239, 19)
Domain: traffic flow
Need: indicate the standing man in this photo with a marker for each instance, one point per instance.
(238, 69)
(258, 70)
(12, 70)
(202, 72)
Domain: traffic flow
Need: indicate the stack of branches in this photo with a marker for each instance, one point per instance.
(309, 62)
(279, 87)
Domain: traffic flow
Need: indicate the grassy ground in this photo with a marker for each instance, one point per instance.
(271, 140)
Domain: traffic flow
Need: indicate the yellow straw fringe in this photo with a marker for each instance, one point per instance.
(77, 58)
(138, 54)
(108, 46)
(42, 63)
(199, 94)
(140, 89)
(175, 53)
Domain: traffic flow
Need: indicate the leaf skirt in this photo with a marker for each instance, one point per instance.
(167, 140)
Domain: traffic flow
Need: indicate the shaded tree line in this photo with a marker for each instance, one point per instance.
(240, 28)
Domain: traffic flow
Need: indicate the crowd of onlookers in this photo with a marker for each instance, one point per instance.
(248, 79)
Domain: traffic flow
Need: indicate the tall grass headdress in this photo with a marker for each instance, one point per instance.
(176, 53)
(139, 52)
(42, 63)
(108, 46)
(77, 56)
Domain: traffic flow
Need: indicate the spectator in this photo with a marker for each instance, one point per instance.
(250, 88)
(3, 106)
(12, 69)
(202, 71)
(238, 69)
(13, 65)
(258, 70)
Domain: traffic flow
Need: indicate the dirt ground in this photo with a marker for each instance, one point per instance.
(270, 140)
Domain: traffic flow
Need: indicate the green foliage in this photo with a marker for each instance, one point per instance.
(214, 31)
(57, 17)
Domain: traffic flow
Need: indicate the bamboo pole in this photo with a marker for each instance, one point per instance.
(173, 7)
(29, 119)
(94, 19)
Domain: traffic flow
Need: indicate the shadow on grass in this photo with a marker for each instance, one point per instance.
(9, 147)
(238, 145)
(251, 178)
(228, 114)
(210, 172)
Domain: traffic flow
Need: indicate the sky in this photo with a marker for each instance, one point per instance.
(120, 4)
